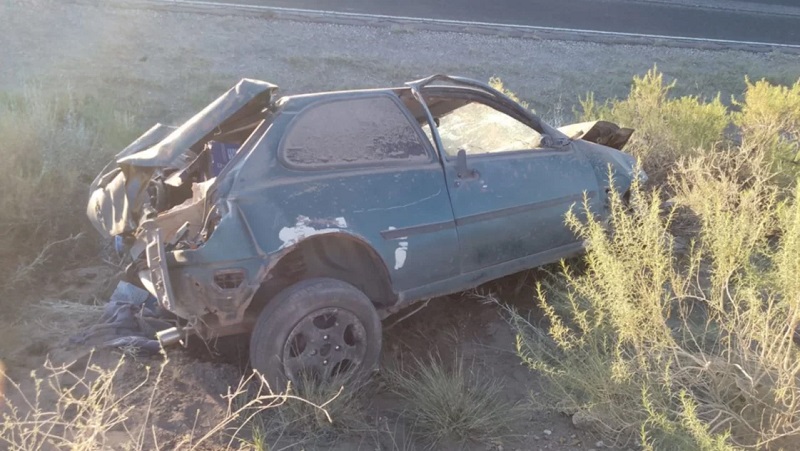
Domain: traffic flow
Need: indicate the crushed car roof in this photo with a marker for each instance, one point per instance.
(247, 98)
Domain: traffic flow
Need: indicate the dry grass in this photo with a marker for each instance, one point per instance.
(40, 326)
(300, 422)
(450, 402)
(95, 408)
(53, 143)
(686, 348)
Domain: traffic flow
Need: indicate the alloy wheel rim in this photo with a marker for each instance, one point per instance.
(323, 345)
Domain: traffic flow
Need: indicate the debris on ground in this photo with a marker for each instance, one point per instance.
(130, 321)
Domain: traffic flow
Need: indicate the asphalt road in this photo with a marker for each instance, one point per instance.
(600, 15)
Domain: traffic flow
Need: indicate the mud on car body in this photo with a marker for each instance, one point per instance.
(304, 220)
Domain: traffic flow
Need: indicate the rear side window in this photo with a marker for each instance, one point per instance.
(352, 131)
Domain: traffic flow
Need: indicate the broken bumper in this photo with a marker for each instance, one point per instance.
(210, 286)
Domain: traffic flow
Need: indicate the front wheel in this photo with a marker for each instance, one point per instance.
(317, 329)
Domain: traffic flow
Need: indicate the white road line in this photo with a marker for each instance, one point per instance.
(347, 15)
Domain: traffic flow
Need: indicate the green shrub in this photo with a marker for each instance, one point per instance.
(770, 119)
(666, 128)
(51, 146)
(686, 350)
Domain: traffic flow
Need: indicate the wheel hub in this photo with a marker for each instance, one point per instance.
(326, 343)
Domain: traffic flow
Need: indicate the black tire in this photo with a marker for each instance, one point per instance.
(326, 322)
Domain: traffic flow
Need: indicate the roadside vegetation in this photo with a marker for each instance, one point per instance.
(451, 402)
(678, 330)
(52, 146)
(106, 407)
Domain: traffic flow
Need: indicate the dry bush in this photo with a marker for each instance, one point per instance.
(497, 83)
(690, 351)
(51, 145)
(449, 402)
(66, 410)
(300, 421)
(770, 120)
(95, 409)
(666, 128)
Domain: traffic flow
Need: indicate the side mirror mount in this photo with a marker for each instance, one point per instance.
(462, 171)
(461, 163)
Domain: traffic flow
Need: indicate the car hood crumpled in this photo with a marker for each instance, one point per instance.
(118, 193)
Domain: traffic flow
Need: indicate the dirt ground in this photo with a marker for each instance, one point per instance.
(164, 65)
(190, 396)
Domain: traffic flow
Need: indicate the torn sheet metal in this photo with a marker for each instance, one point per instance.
(112, 193)
(119, 192)
(245, 99)
(605, 133)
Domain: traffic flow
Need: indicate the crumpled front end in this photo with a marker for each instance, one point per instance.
(158, 200)
(602, 142)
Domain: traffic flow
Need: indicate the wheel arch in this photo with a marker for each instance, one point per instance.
(336, 255)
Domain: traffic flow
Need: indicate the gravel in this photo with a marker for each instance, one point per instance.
(776, 7)
(165, 64)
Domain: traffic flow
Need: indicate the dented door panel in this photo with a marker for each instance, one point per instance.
(516, 206)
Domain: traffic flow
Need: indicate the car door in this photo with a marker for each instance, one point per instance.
(510, 202)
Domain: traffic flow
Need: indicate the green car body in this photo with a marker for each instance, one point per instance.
(360, 186)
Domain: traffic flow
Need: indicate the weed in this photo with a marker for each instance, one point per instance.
(497, 83)
(666, 128)
(448, 402)
(681, 352)
(80, 409)
(770, 119)
(52, 144)
(299, 421)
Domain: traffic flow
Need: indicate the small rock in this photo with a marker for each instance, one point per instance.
(600, 444)
(536, 437)
(582, 420)
(547, 432)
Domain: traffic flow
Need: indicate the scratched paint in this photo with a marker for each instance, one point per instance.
(401, 252)
(302, 229)
(400, 255)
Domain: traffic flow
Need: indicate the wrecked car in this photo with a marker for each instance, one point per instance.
(305, 220)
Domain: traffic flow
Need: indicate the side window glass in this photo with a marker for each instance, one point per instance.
(480, 129)
(361, 130)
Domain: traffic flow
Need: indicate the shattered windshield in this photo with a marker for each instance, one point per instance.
(480, 129)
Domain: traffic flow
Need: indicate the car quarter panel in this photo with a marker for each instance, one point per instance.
(399, 208)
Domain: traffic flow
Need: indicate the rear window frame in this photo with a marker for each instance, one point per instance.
(432, 156)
